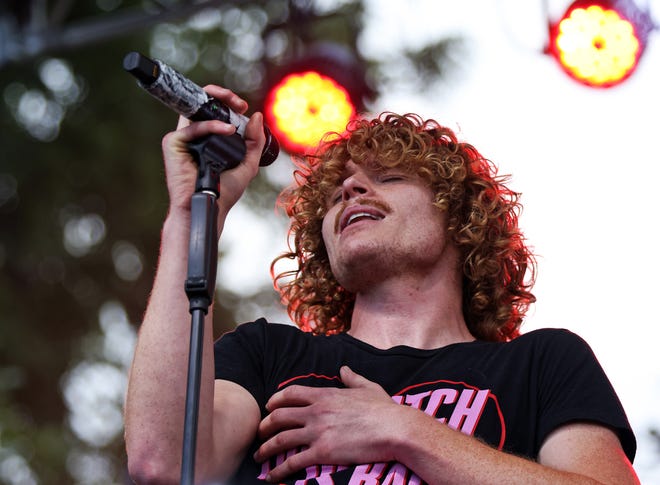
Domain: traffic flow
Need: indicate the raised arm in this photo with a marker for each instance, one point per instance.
(156, 390)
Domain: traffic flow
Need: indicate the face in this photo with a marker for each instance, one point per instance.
(381, 224)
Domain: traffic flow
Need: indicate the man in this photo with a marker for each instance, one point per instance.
(411, 284)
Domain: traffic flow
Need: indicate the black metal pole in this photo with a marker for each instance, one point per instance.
(192, 398)
(213, 155)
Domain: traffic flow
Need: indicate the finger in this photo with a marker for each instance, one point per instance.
(254, 140)
(182, 122)
(227, 96)
(291, 465)
(282, 442)
(353, 380)
(293, 396)
(199, 129)
(254, 131)
(279, 419)
(174, 144)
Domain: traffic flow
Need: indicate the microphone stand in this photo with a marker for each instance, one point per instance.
(213, 155)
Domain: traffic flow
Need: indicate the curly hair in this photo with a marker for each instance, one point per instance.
(498, 268)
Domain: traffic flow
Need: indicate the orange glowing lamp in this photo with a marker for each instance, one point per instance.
(599, 43)
(317, 92)
(304, 106)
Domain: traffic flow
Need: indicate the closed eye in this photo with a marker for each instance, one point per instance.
(391, 178)
(335, 197)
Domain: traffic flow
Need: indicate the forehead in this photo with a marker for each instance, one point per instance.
(370, 163)
(343, 158)
(340, 170)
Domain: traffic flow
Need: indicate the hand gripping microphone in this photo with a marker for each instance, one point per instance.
(189, 100)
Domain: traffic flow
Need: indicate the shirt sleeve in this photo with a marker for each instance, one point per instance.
(574, 387)
(239, 358)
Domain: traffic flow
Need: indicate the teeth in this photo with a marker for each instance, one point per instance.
(357, 215)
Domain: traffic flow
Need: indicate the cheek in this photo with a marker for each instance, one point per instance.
(328, 230)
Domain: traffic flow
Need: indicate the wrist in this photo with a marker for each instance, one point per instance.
(178, 220)
(399, 438)
(416, 429)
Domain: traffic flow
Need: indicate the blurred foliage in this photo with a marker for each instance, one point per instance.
(83, 164)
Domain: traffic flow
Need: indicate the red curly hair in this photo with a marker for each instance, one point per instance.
(498, 268)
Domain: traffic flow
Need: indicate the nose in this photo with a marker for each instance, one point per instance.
(355, 185)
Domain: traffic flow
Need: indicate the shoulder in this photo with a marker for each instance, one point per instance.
(573, 386)
(548, 335)
(551, 339)
(262, 328)
(263, 336)
(546, 352)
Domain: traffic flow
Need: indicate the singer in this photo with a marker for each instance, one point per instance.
(408, 366)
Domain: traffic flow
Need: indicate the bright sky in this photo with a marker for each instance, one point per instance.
(585, 160)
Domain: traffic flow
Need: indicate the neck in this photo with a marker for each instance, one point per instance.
(424, 313)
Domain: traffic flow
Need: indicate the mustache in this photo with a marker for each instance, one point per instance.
(382, 206)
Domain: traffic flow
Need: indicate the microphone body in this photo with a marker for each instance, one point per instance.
(189, 100)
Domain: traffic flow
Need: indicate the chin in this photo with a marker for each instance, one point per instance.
(357, 273)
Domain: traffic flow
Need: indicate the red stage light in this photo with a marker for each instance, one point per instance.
(318, 92)
(304, 106)
(599, 42)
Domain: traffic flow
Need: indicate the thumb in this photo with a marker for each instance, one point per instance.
(352, 379)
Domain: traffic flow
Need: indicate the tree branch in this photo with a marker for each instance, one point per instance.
(21, 46)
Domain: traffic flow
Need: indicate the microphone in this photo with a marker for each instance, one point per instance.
(189, 100)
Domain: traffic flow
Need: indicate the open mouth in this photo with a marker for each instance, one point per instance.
(357, 214)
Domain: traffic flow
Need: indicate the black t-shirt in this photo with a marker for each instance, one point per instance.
(510, 395)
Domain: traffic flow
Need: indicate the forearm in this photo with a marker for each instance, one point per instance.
(454, 458)
(441, 455)
(157, 383)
